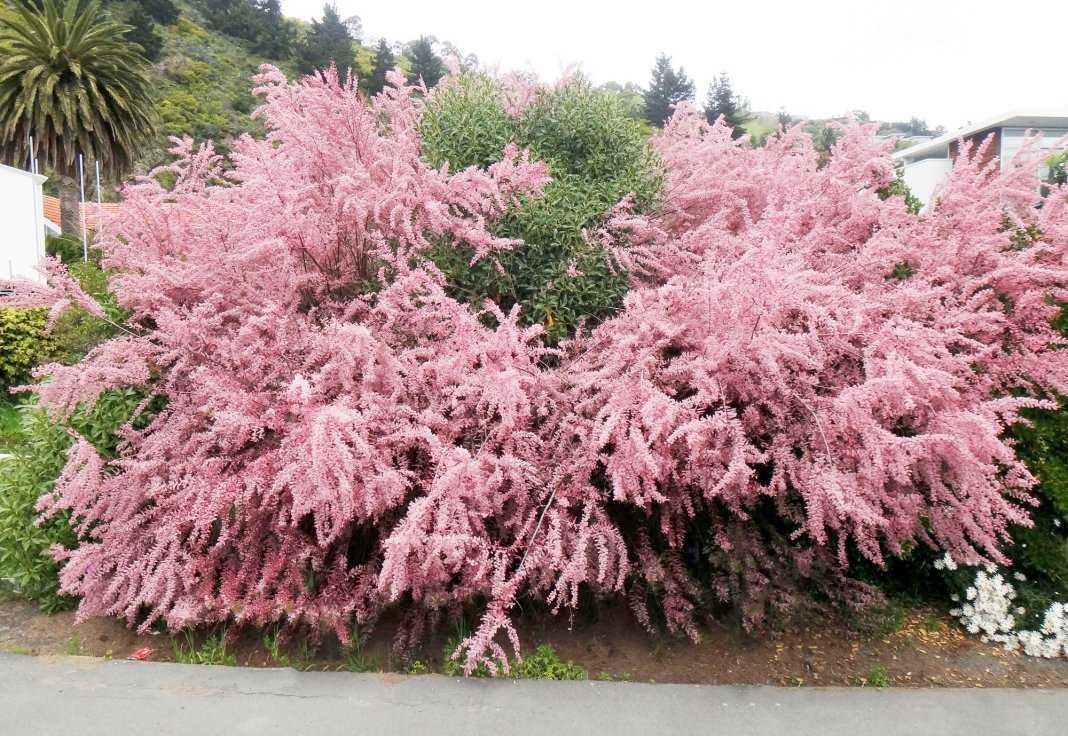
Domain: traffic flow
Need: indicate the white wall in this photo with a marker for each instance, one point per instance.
(923, 177)
(22, 234)
(1012, 140)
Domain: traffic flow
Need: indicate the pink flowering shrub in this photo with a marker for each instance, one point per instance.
(801, 371)
(797, 344)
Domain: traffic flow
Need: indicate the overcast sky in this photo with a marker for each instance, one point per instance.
(947, 61)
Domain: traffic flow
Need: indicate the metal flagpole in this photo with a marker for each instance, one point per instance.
(81, 207)
(99, 214)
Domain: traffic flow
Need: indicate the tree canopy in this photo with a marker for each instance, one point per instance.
(722, 100)
(666, 89)
(330, 40)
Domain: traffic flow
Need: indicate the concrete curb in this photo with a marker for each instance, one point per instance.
(87, 696)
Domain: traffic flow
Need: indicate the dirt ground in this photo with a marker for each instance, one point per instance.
(919, 648)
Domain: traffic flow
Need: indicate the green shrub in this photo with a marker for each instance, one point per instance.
(66, 248)
(898, 188)
(545, 664)
(878, 676)
(24, 342)
(76, 332)
(1040, 552)
(10, 425)
(596, 154)
(211, 651)
(25, 563)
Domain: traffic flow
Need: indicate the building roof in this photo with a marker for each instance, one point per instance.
(1022, 118)
(5, 169)
(92, 215)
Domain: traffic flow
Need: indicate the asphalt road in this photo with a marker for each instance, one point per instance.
(69, 696)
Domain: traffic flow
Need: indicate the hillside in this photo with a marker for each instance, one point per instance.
(203, 79)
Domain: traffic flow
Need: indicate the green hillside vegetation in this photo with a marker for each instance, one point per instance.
(203, 84)
(203, 79)
(204, 54)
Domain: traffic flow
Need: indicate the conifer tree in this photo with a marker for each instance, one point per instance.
(274, 37)
(329, 41)
(666, 89)
(385, 61)
(722, 100)
(425, 63)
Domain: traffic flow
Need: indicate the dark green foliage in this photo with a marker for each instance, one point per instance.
(385, 61)
(274, 36)
(25, 564)
(66, 248)
(143, 32)
(259, 22)
(76, 332)
(164, 12)
(722, 101)
(24, 343)
(1058, 168)
(10, 425)
(424, 63)
(824, 136)
(596, 153)
(545, 664)
(898, 188)
(666, 89)
(329, 41)
(902, 271)
(1041, 552)
(38, 457)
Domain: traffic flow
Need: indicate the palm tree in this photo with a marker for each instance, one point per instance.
(71, 80)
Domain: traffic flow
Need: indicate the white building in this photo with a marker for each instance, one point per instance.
(927, 163)
(22, 224)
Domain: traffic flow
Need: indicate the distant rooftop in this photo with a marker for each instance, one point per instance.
(1021, 118)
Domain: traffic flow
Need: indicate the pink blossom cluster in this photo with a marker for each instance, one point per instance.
(801, 371)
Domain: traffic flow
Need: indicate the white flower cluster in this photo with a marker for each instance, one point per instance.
(1052, 639)
(945, 563)
(988, 611)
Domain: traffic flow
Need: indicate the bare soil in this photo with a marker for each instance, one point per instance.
(922, 648)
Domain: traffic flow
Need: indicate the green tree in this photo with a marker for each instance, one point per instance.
(596, 155)
(70, 79)
(630, 95)
(666, 89)
(328, 41)
(143, 32)
(258, 21)
(722, 101)
(385, 62)
(425, 63)
(164, 12)
(274, 37)
(235, 18)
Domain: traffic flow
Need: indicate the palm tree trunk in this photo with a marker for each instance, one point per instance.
(69, 209)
